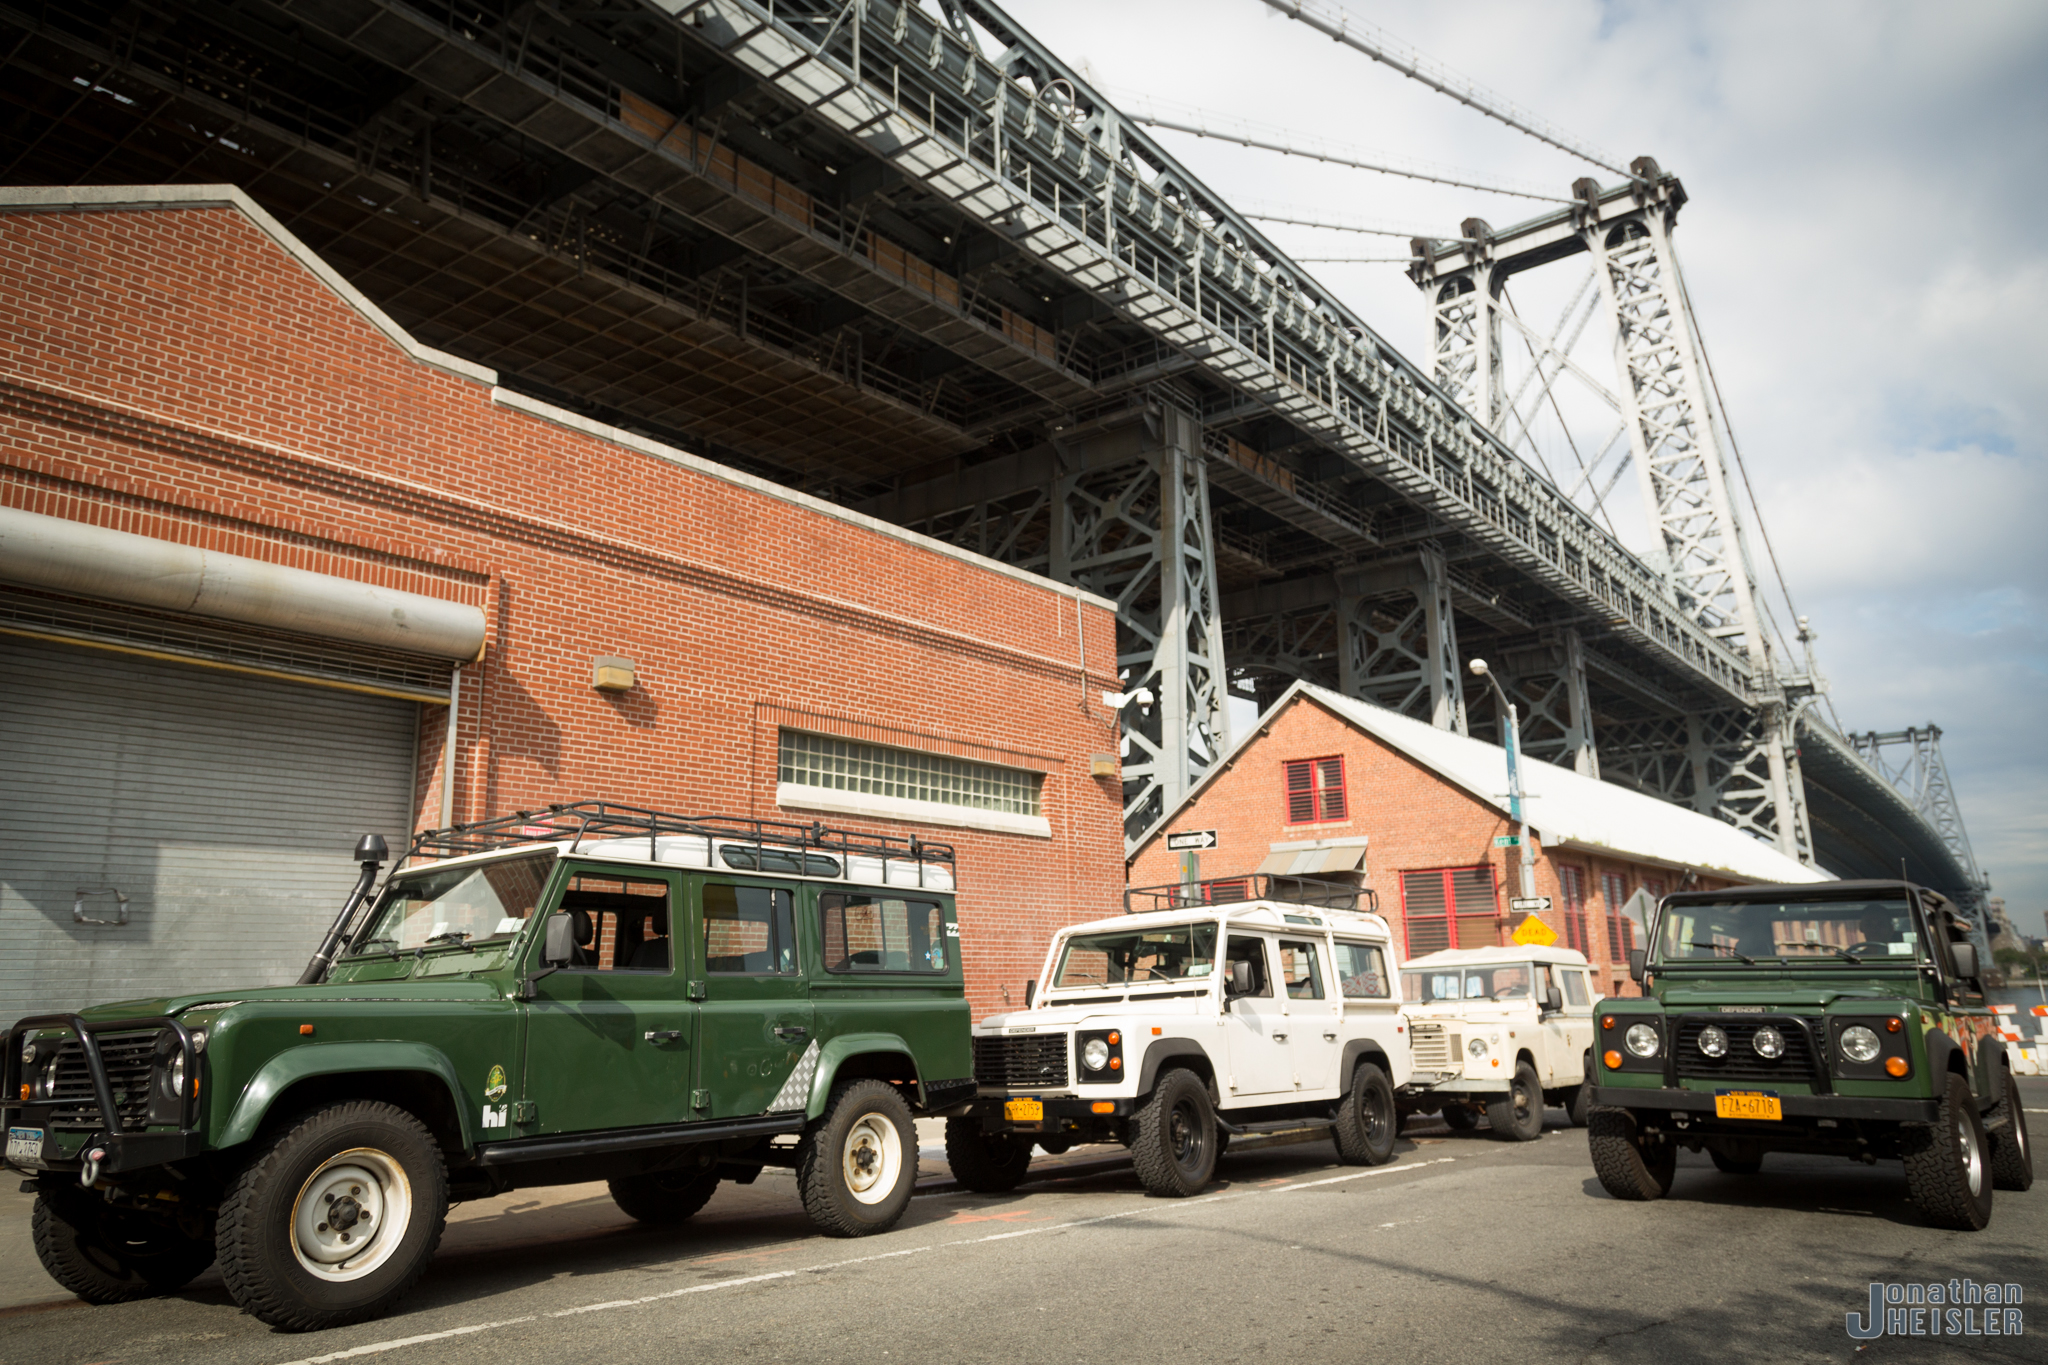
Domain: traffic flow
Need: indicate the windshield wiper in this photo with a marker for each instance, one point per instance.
(1843, 952)
(363, 948)
(1721, 948)
(462, 936)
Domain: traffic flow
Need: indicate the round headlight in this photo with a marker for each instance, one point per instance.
(46, 1077)
(1859, 1044)
(174, 1075)
(1641, 1039)
(28, 1054)
(1768, 1043)
(1095, 1054)
(1714, 1041)
(1477, 1047)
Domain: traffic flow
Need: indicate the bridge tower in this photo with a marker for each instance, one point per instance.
(1741, 765)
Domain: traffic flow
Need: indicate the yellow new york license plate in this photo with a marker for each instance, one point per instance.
(1024, 1111)
(1747, 1104)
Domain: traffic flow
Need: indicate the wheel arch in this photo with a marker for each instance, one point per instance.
(1363, 1050)
(415, 1076)
(869, 1056)
(1161, 1052)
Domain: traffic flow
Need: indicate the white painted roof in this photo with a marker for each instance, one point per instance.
(1465, 957)
(1567, 810)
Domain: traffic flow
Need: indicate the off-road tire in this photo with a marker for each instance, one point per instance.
(258, 1233)
(1736, 1161)
(988, 1163)
(1518, 1115)
(1173, 1137)
(1366, 1124)
(1948, 1163)
(1459, 1118)
(1628, 1167)
(663, 1199)
(852, 1141)
(108, 1255)
(1578, 1100)
(2012, 1148)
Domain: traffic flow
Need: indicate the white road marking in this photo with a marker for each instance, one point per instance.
(379, 1347)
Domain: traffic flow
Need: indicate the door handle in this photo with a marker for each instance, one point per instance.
(1329, 1035)
(791, 1031)
(662, 1035)
(1279, 1037)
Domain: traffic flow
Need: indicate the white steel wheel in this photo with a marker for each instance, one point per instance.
(351, 1214)
(872, 1158)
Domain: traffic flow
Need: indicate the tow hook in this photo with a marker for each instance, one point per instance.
(89, 1169)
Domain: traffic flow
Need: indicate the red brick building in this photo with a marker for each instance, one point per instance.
(332, 520)
(1328, 787)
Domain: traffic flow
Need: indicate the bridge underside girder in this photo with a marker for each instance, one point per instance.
(946, 285)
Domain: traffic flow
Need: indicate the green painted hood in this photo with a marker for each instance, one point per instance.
(439, 988)
(1798, 993)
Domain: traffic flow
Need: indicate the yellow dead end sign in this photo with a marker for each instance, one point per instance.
(1532, 931)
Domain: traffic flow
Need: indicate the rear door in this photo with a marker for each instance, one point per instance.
(757, 1014)
(609, 1038)
(1313, 1041)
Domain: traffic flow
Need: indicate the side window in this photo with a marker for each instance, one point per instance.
(1575, 989)
(1245, 948)
(1361, 972)
(748, 930)
(1301, 968)
(621, 924)
(872, 931)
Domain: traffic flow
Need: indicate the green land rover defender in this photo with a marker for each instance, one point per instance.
(1842, 1018)
(595, 992)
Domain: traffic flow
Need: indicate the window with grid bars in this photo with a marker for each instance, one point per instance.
(1620, 933)
(1572, 882)
(848, 765)
(1315, 791)
(1450, 907)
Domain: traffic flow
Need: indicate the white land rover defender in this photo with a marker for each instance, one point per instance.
(1243, 1005)
(1507, 1030)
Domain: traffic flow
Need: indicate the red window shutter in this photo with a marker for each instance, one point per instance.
(1477, 904)
(1301, 794)
(1330, 771)
(1425, 910)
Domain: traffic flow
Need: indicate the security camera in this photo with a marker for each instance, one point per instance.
(1117, 701)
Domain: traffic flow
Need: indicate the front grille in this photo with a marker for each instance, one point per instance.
(1028, 1059)
(129, 1057)
(1433, 1049)
(1742, 1062)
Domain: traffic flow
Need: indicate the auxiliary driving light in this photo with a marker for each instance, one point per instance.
(1769, 1043)
(1714, 1041)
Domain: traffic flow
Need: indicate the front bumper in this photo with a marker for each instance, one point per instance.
(1667, 1101)
(122, 1150)
(1059, 1112)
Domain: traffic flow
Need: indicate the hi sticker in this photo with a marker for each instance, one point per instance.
(494, 1084)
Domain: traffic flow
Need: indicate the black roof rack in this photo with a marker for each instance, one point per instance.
(1256, 886)
(577, 821)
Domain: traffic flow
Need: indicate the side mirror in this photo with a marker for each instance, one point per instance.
(1638, 959)
(1240, 979)
(1553, 999)
(560, 944)
(1030, 992)
(1965, 955)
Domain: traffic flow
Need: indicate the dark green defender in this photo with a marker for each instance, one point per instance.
(1838, 1017)
(593, 993)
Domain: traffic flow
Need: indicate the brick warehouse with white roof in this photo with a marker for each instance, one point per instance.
(193, 746)
(1327, 786)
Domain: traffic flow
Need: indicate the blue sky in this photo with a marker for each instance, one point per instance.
(1867, 248)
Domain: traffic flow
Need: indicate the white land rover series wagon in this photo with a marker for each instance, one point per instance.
(1506, 1030)
(1246, 1005)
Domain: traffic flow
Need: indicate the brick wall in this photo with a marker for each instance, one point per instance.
(177, 373)
(1414, 819)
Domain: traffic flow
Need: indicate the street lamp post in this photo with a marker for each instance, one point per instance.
(1514, 750)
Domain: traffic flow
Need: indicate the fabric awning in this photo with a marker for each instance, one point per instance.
(1313, 862)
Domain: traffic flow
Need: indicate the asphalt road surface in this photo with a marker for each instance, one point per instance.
(1463, 1250)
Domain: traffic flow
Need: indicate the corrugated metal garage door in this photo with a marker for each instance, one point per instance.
(223, 806)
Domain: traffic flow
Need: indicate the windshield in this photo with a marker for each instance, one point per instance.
(459, 905)
(1493, 981)
(1182, 953)
(1836, 931)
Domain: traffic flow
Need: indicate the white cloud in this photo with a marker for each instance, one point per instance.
(1864, 244)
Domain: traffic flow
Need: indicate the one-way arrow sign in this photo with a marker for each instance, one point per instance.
(1191, 838)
